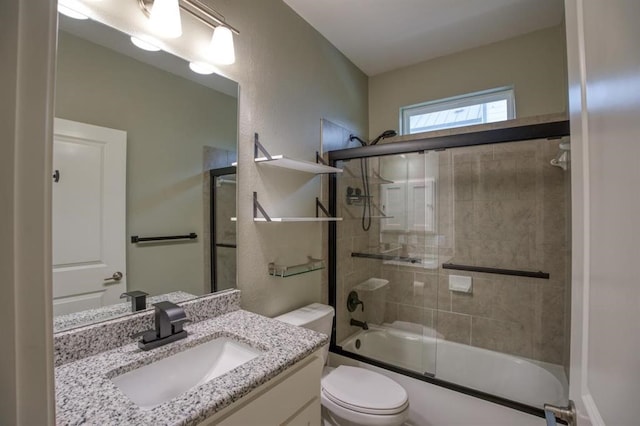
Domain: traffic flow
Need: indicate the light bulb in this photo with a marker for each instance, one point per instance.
(70, 9)
(202, 68)
(164, 18)
(145, 43)
(221, 49)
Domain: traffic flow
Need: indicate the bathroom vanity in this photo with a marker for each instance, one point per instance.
(266, 364)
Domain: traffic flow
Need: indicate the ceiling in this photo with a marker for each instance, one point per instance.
(383, 35)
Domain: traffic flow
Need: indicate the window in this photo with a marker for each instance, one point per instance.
(473, 108)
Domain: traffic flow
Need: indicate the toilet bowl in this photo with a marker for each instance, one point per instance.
(351, 396)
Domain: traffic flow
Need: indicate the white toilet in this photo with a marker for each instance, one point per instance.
(351, 395)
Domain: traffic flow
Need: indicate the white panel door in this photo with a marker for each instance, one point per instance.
(88, 216)
(604, 100)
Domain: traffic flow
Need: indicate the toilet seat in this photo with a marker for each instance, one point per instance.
(364, 391)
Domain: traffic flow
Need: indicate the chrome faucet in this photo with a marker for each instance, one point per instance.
(169, 319)
(357, 323)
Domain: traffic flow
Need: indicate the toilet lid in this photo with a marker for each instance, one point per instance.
(364, 391)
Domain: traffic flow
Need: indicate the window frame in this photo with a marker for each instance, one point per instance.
(475, 98)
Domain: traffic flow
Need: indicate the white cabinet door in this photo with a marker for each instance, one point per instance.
(394, 205)
(291, 398)
(88, 215)
(420, 205)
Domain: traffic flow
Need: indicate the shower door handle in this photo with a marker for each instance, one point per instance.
(568, 414)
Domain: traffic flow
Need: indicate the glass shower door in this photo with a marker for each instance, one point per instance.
(503, 313)
(223, 248)
(387, 256)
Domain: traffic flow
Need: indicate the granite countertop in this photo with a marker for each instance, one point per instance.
(86, 395)
(90, 316)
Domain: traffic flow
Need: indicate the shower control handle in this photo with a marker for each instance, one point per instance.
(353, 301)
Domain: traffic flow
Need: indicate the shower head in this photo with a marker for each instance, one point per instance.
(352, 137)
(384, 135)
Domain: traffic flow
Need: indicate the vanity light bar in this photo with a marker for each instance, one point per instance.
(198, 10)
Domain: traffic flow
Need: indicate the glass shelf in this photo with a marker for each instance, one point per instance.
(419, 261)
(317, 167)
(298, 219)
(300, 165)
(266, 218)
(293, 219)
(283, 271)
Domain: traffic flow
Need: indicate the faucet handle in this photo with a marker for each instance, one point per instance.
(147, 335)
(353, 301)
(178, 323)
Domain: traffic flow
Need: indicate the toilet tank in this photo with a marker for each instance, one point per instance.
(316, 317)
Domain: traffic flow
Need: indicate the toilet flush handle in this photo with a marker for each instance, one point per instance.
(353, 301)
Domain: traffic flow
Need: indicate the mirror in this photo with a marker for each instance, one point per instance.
(136, 134)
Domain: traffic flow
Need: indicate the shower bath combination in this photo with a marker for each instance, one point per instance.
(365, 195)
(478, 206)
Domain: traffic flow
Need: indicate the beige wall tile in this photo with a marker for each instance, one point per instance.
(502, 336)
(390, 312)
(549, 338)
(496, 180)
(454, 327)
(514, 301)
(479, 302)
(415, 315)
(444, 294)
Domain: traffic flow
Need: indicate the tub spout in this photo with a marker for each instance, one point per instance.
(357, 323)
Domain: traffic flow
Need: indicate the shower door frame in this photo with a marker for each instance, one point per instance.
(549, 130)
(213, 244)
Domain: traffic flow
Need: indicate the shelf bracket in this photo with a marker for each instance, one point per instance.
(257, 207)
(379, 210)
(258, 147)
(320, 160)
(321, 207)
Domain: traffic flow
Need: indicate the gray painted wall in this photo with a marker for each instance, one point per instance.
(290, 78)
(168, 121)
(535, 64)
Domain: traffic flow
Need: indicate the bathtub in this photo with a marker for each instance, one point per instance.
(518, 379)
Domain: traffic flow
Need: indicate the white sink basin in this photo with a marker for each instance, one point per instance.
(156, 383)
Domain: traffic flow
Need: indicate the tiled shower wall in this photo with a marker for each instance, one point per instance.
(499, 205)
(352, 238)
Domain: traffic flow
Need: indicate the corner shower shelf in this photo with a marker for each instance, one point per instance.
(283, 271)
(394, 259)
(390, 257)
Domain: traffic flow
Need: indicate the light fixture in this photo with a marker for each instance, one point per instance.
(164, 18)
(221, 49)
(202, 68)
(145, 43)
(70, 9)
